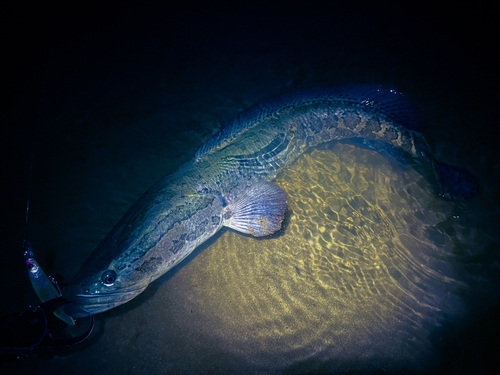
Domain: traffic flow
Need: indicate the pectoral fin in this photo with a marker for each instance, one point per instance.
(258, 211)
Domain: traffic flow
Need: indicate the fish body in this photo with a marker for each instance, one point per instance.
(229, 183)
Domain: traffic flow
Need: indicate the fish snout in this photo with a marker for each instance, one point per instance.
(84, 303)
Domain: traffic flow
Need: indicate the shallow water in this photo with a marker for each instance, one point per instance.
(363, 277)
(372, 270)
(353, 279)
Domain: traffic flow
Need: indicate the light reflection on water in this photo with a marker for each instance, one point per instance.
(361, 272)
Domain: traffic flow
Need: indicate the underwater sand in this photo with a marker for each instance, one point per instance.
(372, 270)
(358, 279)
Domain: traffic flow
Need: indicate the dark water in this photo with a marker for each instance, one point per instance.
(373, 272)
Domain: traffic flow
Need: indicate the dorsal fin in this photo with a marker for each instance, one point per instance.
(371, 97)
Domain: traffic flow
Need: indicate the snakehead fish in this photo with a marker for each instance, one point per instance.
(229, 183)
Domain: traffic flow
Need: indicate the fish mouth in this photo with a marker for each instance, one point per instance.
(85, 304)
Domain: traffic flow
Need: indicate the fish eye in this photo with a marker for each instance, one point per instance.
(108, 277)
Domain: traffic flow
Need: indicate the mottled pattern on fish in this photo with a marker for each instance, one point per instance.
(268, 137)
(190, 205)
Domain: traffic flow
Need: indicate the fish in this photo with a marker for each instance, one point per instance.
(229, 183)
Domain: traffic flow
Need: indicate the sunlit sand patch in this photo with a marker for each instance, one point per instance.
(353, 275)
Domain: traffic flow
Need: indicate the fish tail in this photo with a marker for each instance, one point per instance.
(456, 182)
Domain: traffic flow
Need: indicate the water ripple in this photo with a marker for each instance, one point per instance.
(359, 272)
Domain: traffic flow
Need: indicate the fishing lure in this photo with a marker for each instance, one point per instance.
(42, 284)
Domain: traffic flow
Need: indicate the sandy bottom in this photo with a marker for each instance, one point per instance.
(372, 271)
(361, 278)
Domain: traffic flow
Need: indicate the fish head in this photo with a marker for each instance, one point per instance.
(158, 232)
(96, 289)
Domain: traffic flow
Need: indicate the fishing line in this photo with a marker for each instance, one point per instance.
(30, 178)
(33, 148)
